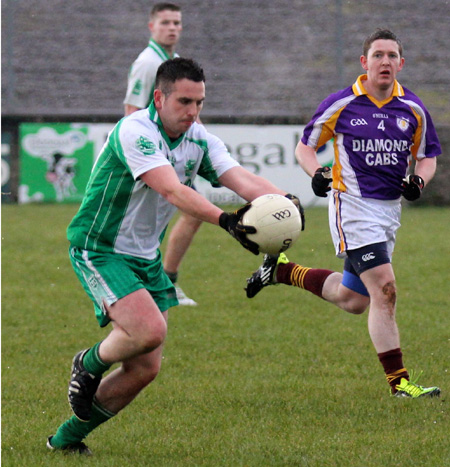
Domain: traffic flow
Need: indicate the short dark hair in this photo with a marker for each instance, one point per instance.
(176, 69)
(158, 7)
(381, 34)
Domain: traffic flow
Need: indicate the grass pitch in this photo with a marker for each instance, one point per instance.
(282, 379)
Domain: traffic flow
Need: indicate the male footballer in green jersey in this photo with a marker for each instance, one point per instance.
(142, 175)
(165, 26)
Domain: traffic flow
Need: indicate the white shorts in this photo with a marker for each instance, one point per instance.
(357, 222)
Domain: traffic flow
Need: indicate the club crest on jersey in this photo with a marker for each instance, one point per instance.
(146, 146)
(189, 167)
(402, 123)
(137, 88)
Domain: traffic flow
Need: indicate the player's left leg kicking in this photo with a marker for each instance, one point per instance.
(351, 293)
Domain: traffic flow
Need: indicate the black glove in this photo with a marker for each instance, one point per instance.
(230, 221)
(321, 181)
(412, 187)
(299, 206)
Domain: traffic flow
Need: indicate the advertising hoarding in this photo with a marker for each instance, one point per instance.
(56, 159)
(55, 162)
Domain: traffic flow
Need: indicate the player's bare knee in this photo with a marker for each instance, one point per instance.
(146, 375)
(356, 309)
(389, 291)
(358, 305)
(155, 339)
(151, 336)
(353, 302)
(140, 376)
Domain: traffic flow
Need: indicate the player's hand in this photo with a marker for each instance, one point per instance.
(321, 182)
(412, 187)
(231, 222)
(299, 206)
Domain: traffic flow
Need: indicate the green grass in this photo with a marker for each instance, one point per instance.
(282, 379)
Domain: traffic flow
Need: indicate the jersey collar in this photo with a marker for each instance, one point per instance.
(154, 117)
(359, 89)
(161, 51)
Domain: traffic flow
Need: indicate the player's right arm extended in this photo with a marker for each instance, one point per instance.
(164, 180)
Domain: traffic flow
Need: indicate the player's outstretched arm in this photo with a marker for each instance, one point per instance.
(231, 222)
(248, 185)
(165, 181)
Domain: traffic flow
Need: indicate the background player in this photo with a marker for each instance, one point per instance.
(165, 26)
(142, 175)
(377, 125)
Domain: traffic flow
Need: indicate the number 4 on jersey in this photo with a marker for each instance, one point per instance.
(381, 125)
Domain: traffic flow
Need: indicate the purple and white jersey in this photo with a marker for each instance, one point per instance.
(373, 140)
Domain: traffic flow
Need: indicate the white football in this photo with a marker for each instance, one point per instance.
(277, 221)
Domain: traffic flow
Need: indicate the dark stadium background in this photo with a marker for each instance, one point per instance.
(265, 61)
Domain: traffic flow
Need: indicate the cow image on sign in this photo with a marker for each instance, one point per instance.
(277, 222)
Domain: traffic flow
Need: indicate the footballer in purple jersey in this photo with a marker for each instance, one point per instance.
(373, 141)
(378, 127)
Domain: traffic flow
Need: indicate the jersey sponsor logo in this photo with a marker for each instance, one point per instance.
(381, 158)
(380, 145)
(137, 88)
(368, 256)
(358, 122)
(402, 123)
(146, 146)
(381, 151)
(380, 116)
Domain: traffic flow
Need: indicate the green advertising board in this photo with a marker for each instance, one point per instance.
(55, 162)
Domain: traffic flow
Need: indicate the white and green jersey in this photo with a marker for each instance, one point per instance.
(119, 212)
(142, 74)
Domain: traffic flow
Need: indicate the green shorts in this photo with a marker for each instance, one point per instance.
(107, 277)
